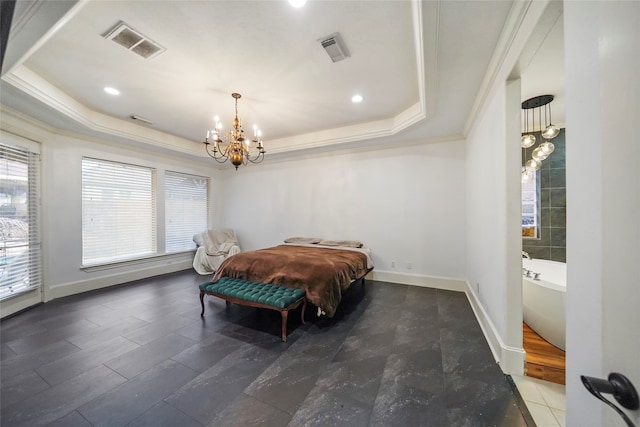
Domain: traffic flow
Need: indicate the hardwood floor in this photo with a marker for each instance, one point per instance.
(544, 360)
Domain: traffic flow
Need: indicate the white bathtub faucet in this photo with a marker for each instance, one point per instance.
(525, 255)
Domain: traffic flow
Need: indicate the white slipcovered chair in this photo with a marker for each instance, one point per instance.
(214, 246)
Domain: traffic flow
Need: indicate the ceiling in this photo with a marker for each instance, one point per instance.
(420, 66)
(543, 62)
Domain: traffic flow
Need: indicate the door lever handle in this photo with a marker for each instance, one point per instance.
(621, 388)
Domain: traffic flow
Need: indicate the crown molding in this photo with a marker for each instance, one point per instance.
(33, 85)
(522, 19)
(28, 37)
(425, 18)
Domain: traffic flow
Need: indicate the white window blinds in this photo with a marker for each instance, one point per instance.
(118, 212)
(20, 256)
(186, 209)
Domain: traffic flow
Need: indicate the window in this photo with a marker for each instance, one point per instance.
(531, 206)
(118, 212)
(20, 256)
(186, 209)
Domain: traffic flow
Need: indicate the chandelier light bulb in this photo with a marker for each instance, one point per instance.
(551, 131)
(547, 147)
(527, 140)
(538, 154)
(533, 165)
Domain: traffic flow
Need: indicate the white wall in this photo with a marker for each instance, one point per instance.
(407, 204)
(602, 58)
(493, 223)
(485, 209)
(61, 209)
(62, 179)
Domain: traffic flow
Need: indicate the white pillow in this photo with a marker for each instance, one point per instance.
(306, 240)
(345, 243)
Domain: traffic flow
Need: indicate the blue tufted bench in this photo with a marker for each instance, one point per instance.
(255, 294)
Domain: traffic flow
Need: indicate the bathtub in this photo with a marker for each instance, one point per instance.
(543, 300)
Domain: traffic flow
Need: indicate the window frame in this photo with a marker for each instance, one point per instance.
(12, 273)
(146, 180)
(193, 226)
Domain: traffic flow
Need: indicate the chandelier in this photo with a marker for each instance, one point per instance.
(528, 140)
(233, 145)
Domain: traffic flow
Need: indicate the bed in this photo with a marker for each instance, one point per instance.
(325, 271)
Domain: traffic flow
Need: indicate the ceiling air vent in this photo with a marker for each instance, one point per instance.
(335, 47)
(134, 41)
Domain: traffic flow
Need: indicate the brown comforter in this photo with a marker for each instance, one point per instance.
(323, 273)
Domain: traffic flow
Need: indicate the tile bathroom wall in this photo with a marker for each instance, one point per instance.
(553, 204)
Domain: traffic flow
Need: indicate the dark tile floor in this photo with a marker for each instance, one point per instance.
(141, 355)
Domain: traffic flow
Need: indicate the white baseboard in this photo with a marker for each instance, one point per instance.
(444, 283)
(511, 359)
(79, 286)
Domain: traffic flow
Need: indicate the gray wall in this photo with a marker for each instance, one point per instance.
(553, 204)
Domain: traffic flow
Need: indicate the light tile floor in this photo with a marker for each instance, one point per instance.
(545, 400)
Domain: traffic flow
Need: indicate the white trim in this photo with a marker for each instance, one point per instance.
(30, 14)
(427, 15)
(34, 85)
(15, 304)
(445, 283)
(511, 359)
(523, 17)
(30, 83)
(72, 288)
(426, 57)
(143, 260)
(11, 138)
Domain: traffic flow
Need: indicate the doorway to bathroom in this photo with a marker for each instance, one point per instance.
(544, 199)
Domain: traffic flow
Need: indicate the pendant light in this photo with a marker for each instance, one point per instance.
(528, 140)
(551, 131)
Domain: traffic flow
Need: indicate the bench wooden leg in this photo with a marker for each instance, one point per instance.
(202, 303)
(285, 315)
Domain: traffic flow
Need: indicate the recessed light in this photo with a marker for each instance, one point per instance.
(112, 91)
(297, 3)
(356, 98)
